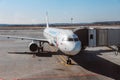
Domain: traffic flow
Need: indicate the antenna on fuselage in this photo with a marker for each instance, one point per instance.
(47, 23)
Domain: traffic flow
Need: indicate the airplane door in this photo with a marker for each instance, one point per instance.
(92, 37)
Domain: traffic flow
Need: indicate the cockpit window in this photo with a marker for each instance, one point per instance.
(76, 39)
(73, 39)
(70, 39)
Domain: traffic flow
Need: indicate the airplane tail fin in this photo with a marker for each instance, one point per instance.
(47, 23)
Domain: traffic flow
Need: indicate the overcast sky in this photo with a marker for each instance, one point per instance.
(60, 11)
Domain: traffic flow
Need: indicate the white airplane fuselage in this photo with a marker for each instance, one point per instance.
(65, 40)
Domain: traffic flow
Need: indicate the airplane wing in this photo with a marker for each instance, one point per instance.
(24, 38)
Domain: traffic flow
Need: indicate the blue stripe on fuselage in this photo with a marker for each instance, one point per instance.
(53, 33)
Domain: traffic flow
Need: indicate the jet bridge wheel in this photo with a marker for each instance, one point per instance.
(118, 50)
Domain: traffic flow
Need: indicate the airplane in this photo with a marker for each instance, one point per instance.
(65, 40)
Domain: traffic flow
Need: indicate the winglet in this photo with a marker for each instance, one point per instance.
(47, 23)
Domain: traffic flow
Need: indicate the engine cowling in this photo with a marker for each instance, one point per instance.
(33, 46)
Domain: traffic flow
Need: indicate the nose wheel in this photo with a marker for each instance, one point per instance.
(69, 60)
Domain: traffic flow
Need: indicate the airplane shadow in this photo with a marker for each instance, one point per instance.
(40, 54)
(92, 62)
(88, 60)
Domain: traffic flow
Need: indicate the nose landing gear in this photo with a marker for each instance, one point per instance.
(69, 60)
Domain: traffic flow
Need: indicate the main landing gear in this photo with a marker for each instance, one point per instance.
(40, 48)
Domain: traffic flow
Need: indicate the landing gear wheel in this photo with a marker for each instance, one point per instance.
(69, 61)
(40, 48)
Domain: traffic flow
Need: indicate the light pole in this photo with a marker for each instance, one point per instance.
(71, 20)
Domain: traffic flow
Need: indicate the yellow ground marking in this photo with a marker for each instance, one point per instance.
(61, 58)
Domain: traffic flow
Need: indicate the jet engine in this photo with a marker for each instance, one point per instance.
(33, 46)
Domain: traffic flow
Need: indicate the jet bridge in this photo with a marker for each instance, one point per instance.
(93, 37)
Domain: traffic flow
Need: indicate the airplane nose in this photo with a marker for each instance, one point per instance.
(72, 48)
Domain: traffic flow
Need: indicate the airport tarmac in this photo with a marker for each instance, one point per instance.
(18, 63)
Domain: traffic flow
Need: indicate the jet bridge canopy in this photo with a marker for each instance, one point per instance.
(99, 36)
(108, 37)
